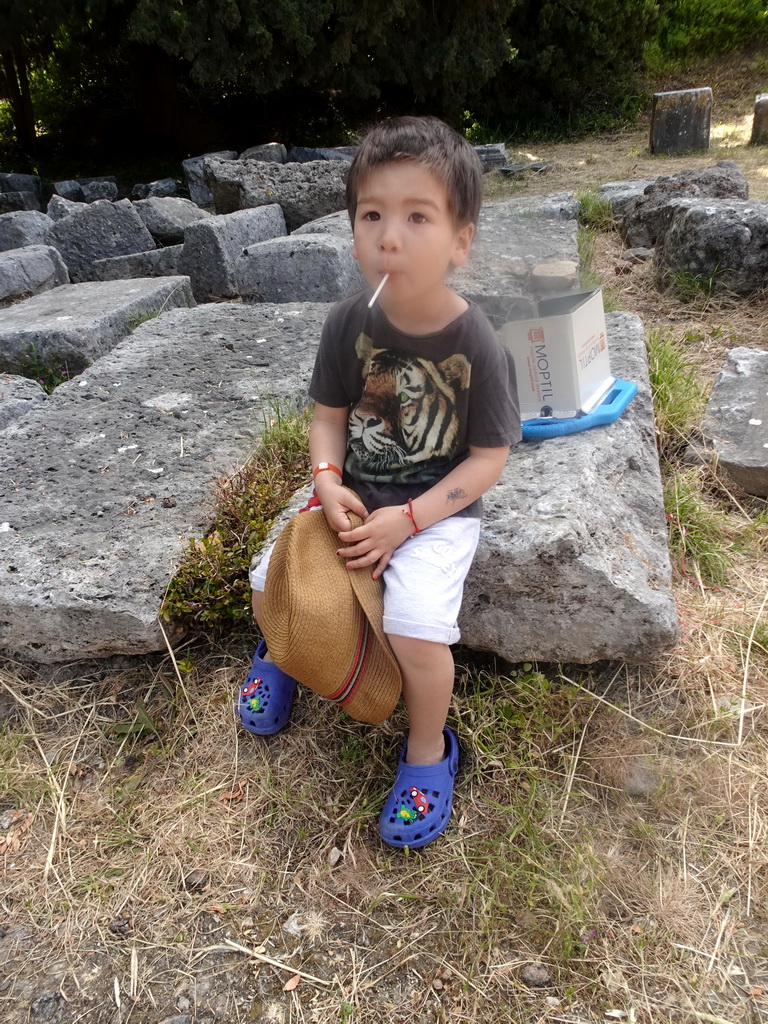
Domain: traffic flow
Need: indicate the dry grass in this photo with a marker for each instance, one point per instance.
(610, 822)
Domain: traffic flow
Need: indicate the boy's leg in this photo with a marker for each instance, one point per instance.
(428, 674)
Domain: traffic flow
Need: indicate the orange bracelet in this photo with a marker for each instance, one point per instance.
(321, 466)
(409, 512)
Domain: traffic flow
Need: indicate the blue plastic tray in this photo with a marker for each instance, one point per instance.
(612, 406)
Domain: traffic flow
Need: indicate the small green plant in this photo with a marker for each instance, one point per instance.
(695, 530)
(586, 239)
(678, 398)
(47, 375)
(689, 287)
(595, 213)
(211, 585)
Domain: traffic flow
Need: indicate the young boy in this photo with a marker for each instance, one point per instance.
(415, 410)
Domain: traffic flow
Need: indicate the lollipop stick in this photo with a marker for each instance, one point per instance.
(378, 290)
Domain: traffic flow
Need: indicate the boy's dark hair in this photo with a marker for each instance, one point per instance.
(434, 145)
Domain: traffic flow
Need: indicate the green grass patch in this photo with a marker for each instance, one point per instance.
(211, 586)
(696, 529)
(678, 398)
(595, 213)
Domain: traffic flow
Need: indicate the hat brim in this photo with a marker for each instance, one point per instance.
(323, 622)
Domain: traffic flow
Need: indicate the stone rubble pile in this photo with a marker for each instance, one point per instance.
(164, 397)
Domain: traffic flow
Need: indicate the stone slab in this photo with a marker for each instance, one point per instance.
(18, 396)
(760, 121)
(308, 268)
(735, 423)
(573, 562)
(29, 271)
(97, 231)
(680, 121)
(573, 565)
(555, 206)
(164, 262)
(91, 545)
(193, 171)
(23, 227)
(168, 217)
(213, 247)
(10, 201)
(76, 324)
(619, 193)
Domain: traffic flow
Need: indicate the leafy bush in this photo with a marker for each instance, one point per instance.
(710, 26)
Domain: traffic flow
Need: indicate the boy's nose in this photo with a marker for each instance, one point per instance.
(389, 238)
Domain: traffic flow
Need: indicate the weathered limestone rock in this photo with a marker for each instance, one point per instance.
(59, 207)
(96, 232)
(23, 227)
(760, 121)
(619, 193)
(11, 201)
(332, 223)
(167, 218)
(492, 157)
(91, 543)
(573, 562)
(723, 243)
(308, 154)
(573, 565)
(214, 246)
(22, 183)
(76, 324)
(29, 271)
(164, 262)
(303, 190)
(95, 190)
(269, 152)
(680, 121)
(193, 171)
(558, 276)
(735, 423)
(312, 268)
(18, 396)
(557, 206)
(645, 217)
(164, 188)
(70, 189)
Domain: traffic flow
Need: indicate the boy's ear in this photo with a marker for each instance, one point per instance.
(462, 244)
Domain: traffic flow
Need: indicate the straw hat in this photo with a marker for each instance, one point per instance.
(323, 622)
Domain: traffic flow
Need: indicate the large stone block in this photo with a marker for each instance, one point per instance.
(735, 423)
(23, 227)
(22, 183)
(760, 121)
(59, 207)
(555, 206)
(29, 271)
(18, 396)
(573, 562)
(309, 268)
(167, 218)
(680, 121)
(164, 262)
(305, 191)
(214, 246)
(11, 201)
(193, 171)
(722, 243)
(116, 474)
(620, 193)
(644, 218)
(76, 324)
(96, 232)
(267, 152)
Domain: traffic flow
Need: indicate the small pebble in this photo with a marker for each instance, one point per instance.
(196, 881)
(535, 976)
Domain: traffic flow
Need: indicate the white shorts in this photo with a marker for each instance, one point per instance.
(424, 581)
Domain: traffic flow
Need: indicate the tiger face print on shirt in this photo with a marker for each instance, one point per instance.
(406, 417)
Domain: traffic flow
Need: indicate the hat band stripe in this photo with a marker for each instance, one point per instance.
(347, 689)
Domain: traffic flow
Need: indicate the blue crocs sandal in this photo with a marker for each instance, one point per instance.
(264, 702)
(419, 807)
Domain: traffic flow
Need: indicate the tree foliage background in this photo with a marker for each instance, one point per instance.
(91, 78)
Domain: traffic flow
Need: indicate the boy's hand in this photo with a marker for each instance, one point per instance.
(374, 542)
(337, 501)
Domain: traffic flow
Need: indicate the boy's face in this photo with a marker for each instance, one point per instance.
(404, 227)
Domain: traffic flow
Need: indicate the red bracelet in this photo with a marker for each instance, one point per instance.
(409, 512)
(327, 465)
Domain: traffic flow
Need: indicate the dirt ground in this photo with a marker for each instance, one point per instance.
(607, 858)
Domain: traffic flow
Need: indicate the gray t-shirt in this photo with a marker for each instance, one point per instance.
(416, 402)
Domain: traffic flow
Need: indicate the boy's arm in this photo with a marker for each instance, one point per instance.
(386, 528)
(328, 443)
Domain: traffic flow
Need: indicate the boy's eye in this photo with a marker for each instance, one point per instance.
(418, 218)
(370, 215)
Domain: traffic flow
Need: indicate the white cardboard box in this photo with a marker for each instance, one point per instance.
(561, 356)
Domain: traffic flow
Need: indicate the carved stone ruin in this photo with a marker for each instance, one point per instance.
(760, 121)
(680, 121)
